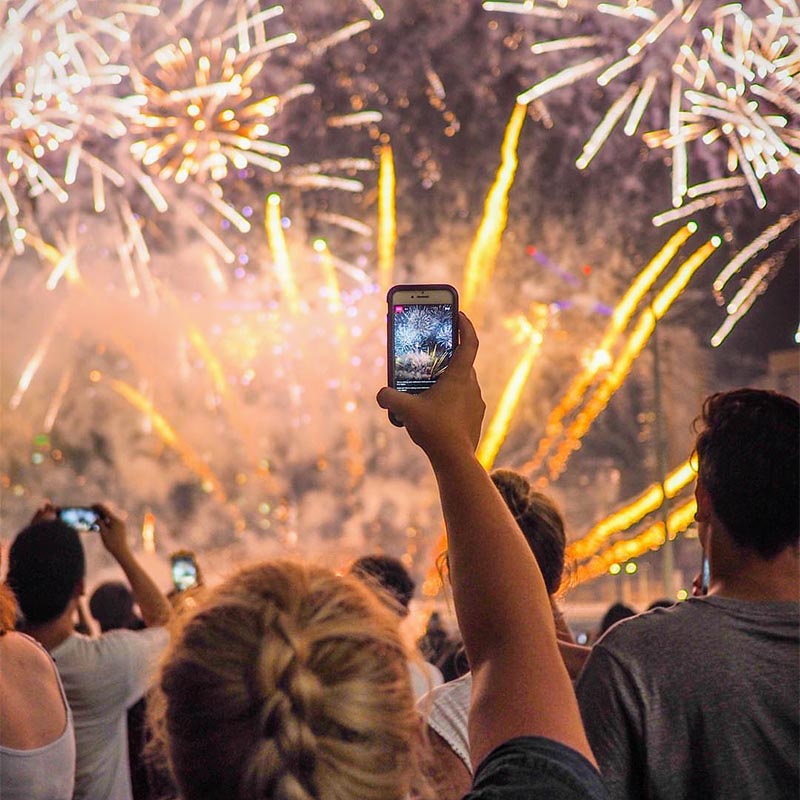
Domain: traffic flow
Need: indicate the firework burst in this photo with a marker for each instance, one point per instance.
(57, 79)
(698, 71)
(201, 113)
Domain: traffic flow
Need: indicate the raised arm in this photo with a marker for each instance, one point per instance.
(520, 684)
(152, 602)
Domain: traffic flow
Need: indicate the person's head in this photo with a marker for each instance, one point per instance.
(616, 613)
(747, 453)
(540, 522)
(46, 568)
(661, 603)
(111, 604)
(389, 574)
(288, 682)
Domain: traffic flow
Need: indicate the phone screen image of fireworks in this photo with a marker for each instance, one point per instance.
(423, 344)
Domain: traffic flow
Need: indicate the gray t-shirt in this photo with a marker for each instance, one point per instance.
(701, 700)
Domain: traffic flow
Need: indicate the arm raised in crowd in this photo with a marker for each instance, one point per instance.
(520, 684)
(152, 602)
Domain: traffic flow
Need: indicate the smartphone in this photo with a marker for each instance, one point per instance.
(422, 333)
(184, 571)
(82, 518)
(705, 575)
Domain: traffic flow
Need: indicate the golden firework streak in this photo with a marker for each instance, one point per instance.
(602, 355)
(486, 245)
(170, 437)
(280, 253)
(639, 337)
(355, 460)
(200, 343)
(509, 400)
(149, 532)
(650, 539)
(647, 502)
(387, 218)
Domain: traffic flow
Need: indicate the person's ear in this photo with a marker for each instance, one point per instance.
(704, 507)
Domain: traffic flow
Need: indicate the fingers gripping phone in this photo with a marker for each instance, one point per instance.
(184, 571)
(422, 333)
(82, 518)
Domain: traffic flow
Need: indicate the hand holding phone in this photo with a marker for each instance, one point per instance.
(82, 518)
(446, 420)
(422, 334)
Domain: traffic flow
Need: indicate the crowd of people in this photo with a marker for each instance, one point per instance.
(292, 681)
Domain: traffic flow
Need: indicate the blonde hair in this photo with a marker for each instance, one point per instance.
(288, 682)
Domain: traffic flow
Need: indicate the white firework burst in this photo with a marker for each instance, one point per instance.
(720, 71)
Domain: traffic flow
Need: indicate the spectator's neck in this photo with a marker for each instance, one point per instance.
(53, 633)
(744, 575)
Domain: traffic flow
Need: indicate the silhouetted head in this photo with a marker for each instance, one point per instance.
(390, 575)
(111, 604)
(46, 566)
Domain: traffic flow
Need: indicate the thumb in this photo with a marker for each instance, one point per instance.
(391, 399)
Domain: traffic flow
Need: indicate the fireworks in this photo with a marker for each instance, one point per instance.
(638, 338)
(600, 358)
(723, 74)
(486, 246)
(57, 82)
(200, 113)
(387, 226)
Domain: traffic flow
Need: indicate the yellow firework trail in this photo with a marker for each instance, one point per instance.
(651, 538)
(280, 253)
(498, 427)
(170, 437)
(387, 219)
(355, 445)
(601, 357)
(483, 253)
(200, 343)
(633, 347)
(647, 502)
(149, 532)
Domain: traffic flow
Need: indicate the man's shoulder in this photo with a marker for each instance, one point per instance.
(83, 650)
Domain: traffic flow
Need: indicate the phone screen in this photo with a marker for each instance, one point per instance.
(184, 572)
(423, 335)
(80, 518)
(705, 577)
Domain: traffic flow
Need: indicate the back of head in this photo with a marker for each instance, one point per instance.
(390, 575)
(111, 604)
(45, 565)
(748, 463)
(540, 522)
(616, 613)
(288, 682)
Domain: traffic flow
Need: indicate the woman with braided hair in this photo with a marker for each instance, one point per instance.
(290, 682)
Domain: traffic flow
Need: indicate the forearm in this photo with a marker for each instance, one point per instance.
(505, 617)
(494, 575)
(151, 600)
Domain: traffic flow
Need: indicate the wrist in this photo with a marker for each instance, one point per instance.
(452, 455)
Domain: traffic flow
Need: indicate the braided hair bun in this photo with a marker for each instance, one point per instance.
(290, 682)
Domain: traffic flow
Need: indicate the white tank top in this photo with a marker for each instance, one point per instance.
(44, 773)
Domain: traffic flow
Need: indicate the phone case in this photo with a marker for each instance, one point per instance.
(390, 328)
